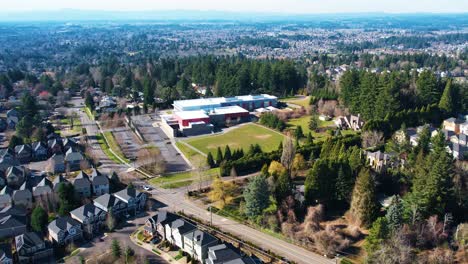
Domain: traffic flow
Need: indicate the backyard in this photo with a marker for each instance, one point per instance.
(301, 101)
(240, 137)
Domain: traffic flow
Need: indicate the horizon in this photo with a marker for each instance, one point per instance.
(300, 7)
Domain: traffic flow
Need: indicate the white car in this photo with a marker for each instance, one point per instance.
(146, 188)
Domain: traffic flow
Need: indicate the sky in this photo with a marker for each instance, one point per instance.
(266, 6)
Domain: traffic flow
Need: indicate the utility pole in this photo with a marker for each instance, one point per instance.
(211, 217)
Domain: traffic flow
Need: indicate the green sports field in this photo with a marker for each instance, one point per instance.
(240, 137)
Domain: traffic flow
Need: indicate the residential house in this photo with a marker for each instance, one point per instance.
(12, 118)
(460, 139)
(109, 203)
(5, 196)
(5, 254)
(459, 152)
(43, 193)
(56, 163)
(224, 254)
(464, 128)
(135, 199)
(197, 242)
(350, 122)
(57, 181)
(100, 183)
(452, 124)
(155, 225)
(69, 143)
(23, 153)
(176, 230)
(73, 159)
(64, 230)
(32, 248)
(12, 225)
(23, 196)
(55, 146)
(91, 217)
(15, 176)
(380, 161)
(82, 185)
(39, 151)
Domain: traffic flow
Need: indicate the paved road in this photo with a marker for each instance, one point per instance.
(108, 165)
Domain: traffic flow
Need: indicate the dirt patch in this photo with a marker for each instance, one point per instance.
(231, 145)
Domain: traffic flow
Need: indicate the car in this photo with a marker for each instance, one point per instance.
(127, 216)
(147, 188)
(154, 241)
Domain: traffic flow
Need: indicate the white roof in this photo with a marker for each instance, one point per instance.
(219, 100)
(191, 114)
(229, 110)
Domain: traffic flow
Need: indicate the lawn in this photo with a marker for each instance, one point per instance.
(114, 145)
(304, 123)
(298, 101)
(105, 148)
(176, 180)
(241, 137)
(89, 113)
(189, 153)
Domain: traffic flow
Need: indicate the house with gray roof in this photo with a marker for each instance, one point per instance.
(23, 196)
(91, 217)
(12, 118)
(5, 196)
(176, 230)
(82, 185)
(155, 225)
(69, 143)
(57, 180)
(56, 163)
(197, 242)
(55, 146)
(224, 254)
(380, 161)
(100, 183)
(73, 159)
(39, 151)
(12, 225)
(15, 176)
(23, 153)
(33, 249)
(43, 192)
(64, 230)
(135, 199)
(108, 202)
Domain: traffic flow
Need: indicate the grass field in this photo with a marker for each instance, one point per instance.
(304, 123)
(107, 149)
(189, 153)
(241, 137)
(298, 101)
(177, 180)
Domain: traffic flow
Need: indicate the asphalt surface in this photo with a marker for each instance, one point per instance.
(155, 135)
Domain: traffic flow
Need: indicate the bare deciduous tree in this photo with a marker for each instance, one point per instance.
(372, 139)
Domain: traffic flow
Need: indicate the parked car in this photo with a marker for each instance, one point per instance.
(154, 241)
(147, 188)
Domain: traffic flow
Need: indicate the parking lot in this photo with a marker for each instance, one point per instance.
(155, 135)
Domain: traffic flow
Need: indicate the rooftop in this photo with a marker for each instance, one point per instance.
(219, 100)
(229, 110)
(191, 114)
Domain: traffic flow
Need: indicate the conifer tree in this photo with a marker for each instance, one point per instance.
(256, 196)
(446, 101)
(377, 235)
(395, 214)
(210, 161)
(227, 153)
(363, 203)
(219, 156)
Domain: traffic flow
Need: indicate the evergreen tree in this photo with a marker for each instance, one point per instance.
(115, 248)
(227, 153)
(38, 219)
(298, 133)
(210, 161)
(378, 233)
(446, 102)
(363, 203)
(310, 139)
(89, 101)
(344, 183)
(15, 141)
(66, 192)
(256, 197)
(219, 156)
(313, 122)
(428, 91)
(283, 187)
(395, 214)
